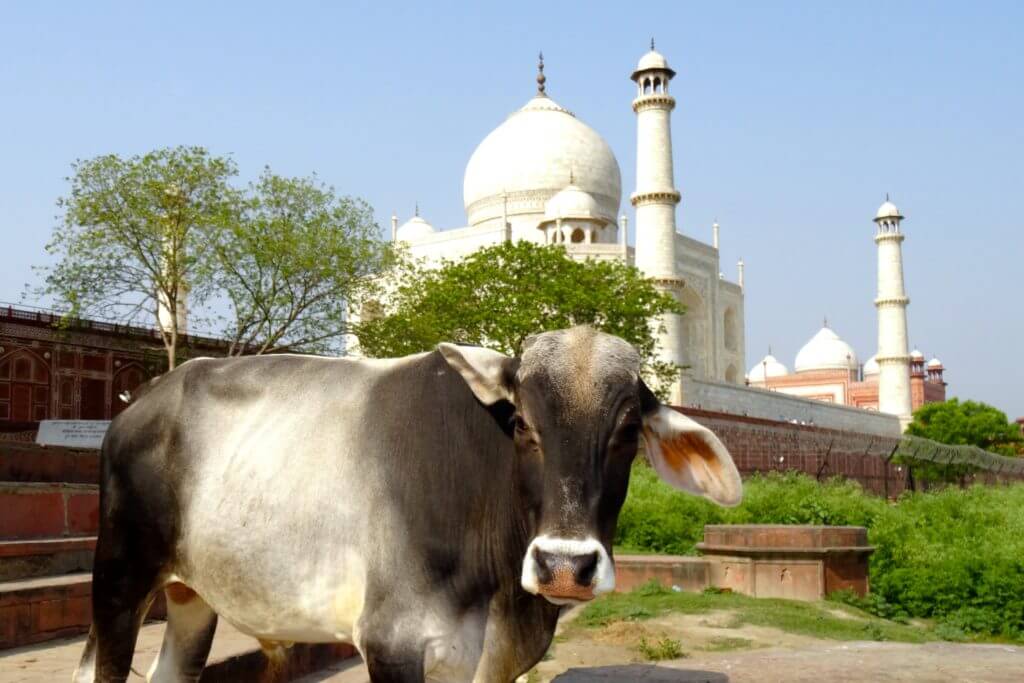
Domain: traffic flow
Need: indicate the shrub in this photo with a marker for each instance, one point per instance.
(954, 555)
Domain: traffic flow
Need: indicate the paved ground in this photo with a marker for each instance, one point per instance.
(825, 662)
(809, 662)
(55, 661)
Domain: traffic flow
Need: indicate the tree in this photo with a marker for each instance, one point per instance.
(124, 242)
(289, 267)
(968, 423)
(498, 296)
(275, 265)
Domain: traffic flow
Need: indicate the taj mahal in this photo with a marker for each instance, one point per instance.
(546, 176)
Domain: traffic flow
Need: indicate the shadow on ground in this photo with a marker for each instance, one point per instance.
(639, 672)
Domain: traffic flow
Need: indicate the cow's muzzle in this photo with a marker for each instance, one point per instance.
(567, 571)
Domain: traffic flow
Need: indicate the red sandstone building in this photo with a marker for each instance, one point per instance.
(48, 373)
(826, 369)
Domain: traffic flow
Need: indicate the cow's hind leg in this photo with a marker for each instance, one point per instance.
(187, 639)
(121, 596)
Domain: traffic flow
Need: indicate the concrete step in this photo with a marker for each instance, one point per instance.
(48, 510)
(27, 462)
(45, 557)
(234, 657)
(34, 610)
(50, 607)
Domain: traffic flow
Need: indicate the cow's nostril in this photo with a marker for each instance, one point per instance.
(544, 562)
(584, 567)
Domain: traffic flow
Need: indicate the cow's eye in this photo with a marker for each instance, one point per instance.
(520, 423)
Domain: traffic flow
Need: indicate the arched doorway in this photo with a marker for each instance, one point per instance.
(24, 387)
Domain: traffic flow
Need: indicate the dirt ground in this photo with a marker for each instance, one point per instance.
(717, 651)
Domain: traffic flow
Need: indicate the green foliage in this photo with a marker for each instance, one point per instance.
(285, 257)
(805, 618)
(657, 518)
(122, 245)
(498, 296)
(293, 262)
(955, 555)
(970, 423)
(663, 648)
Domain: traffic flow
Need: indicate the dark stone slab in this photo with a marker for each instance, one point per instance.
(640, 672)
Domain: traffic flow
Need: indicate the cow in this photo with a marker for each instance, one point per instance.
(436, 511)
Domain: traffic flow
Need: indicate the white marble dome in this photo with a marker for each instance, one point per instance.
(768, 367)
(652, 60)
(935, 363)
(871, 366)
(526, 160)
(916, 355)
(887, 210)
(825, 351)
(415, 228)
(572, 202)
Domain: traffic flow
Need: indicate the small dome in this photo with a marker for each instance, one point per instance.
(887, 210)
(935, 363)
(415, 228)
(768, 367)
(825, 351)
(572, 202)
(871, 366)
(916, 355)
(652, 60)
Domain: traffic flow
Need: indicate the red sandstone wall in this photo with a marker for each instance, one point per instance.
(759, 445)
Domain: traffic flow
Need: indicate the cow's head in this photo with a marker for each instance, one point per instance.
(580, 409)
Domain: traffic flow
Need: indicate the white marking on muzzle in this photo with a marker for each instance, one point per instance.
(604, 577)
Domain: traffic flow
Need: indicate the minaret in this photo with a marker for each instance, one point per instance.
(656, 197)
(893, 359)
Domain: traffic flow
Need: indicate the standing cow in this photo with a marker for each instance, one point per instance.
(436, 511)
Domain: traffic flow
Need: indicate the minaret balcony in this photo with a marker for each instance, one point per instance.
(660, 197)
(889, 237)
(892, 301)
(654, 101)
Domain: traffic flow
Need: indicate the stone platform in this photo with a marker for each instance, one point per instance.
(764, 561)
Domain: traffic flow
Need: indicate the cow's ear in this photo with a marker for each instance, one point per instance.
(688, 455)
(488, 373)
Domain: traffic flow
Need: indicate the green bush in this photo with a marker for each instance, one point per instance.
(955, 555)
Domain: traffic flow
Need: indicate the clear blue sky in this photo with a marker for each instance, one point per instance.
(792, 123)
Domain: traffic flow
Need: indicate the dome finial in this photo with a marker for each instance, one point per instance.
(417, 209)
(825, 324)
(572, 175)
(541, 78)
(652, 43)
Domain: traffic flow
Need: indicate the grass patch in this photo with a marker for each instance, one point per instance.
(951, 556)
(663, 648)
(803, 618)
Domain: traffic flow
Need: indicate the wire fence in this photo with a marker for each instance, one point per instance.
(917, 448)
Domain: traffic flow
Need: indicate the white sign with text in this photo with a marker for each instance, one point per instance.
(72, 433)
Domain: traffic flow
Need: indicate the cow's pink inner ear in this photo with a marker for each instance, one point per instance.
(690, 457)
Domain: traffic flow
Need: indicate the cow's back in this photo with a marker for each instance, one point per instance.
(289, 490)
